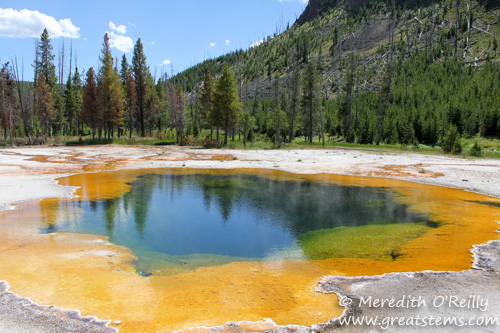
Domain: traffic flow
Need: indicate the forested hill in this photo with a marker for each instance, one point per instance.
(330, 30)
(388, 71)
(409, 72)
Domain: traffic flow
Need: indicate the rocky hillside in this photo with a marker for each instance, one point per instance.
(366, 34)
(315, 8)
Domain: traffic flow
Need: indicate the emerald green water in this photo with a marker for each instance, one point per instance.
(201, 219)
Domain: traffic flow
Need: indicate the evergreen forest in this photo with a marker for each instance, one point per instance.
(410, 73)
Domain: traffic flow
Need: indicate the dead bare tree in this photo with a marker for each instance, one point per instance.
(25, 98)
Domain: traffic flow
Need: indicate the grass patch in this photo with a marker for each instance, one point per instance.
(88, 141)
(490, 146)
(375, 241)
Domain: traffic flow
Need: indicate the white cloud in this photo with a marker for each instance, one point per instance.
(212, 44)
(153, 42)
(228, 42)
(117, 39)
(121, 43)
(30, 23)
(166, 62)
(121, 29)
(257, 43)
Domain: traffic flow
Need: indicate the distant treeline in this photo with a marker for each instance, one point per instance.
(417, 88)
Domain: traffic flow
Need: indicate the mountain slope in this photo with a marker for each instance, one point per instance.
(337, 28)
(416, 72)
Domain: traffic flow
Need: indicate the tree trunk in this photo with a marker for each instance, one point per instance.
(141, 114)
(291, 128)
(226, 129)
(245, 136)
(311, 134)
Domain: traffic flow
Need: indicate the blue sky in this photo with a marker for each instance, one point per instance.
(175, 34)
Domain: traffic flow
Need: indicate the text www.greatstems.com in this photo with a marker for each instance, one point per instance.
(419, 321)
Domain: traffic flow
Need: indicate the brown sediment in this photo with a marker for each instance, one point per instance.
(400, 171)
(71, 162)
(205, 157)
(86, 272)
(191, 156)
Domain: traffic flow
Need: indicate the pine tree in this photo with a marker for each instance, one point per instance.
(91, 113)
(309, 104)
(385, 99)
(129, 94)
(278, 123)
(44, 64)
(205, 98)
(247, 122)
(125, 69)
(348, 88)
(44, 107)
(152, 105)
(78, 92)
(109, 92)
(141, 72)
(70, 105)
(226, 103)
(130, 101)
(451, 142)
(294, 101)
(8, 103)
(45, 60)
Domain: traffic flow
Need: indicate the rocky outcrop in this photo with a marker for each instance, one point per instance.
(315, 8)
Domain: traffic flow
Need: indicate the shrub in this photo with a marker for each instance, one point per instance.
(476, 150)
(451, 142)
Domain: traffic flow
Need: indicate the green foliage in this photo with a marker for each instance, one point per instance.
(370, 90)
(278, 123)
(205, 98)
(451, 142)
(141, 74)
(44, 62)
(91, 112)
(476, 150)
(309, 100)
(8, 116)
(247, 122)
(70, 104)
(109, 92)
(226, 103)
(44, 108)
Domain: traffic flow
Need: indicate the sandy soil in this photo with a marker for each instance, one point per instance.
(29, 174)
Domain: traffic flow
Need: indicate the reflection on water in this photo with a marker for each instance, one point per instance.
(235, 217)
